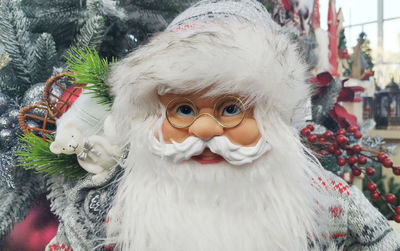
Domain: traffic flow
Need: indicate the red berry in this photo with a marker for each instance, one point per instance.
(352, 128)
(397, 218)
(356, 171)
(312, 138)
(357, 135)
(390, 198)
(341, 161)
(320, 139)
(375, 195)
(341, 139)
(362, 159)
(371, 186)
(328, 134)
(338, 152)
(387, 162)
(382, 156)
(396, 171)
(356, 148)
(398, 210)
(341, 131)
(310, 126)
(352, 160)
(370, 171)
(305, 131)
(331, 148)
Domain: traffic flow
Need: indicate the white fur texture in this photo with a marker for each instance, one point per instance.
(86, 113)
(267, 205)
(232, 57)
(221, 145)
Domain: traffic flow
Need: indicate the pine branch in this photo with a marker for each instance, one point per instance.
(43, 58)
(91, 34)
(89, 69)
(52, 16)
(15, 38)
(38, 157)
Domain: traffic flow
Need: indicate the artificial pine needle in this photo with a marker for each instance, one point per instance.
(88, 68)
(37, 156)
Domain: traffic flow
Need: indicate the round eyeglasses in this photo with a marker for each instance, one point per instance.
(229, 111)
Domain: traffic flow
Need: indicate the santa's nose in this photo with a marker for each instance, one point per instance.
(205, 127)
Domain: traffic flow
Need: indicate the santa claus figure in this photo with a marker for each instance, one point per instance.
(214, 162)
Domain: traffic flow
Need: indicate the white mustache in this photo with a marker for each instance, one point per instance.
(221, 145)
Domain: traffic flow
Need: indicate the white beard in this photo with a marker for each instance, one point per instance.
(221, 145)
(266, 205)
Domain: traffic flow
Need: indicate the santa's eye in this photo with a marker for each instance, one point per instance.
(185, 110)
(72, 136)
(231, 110)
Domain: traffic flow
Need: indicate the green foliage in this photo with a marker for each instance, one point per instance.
(366, 51)
(38, 157)
(14, 36)
(88, 68)
(393, 188)
(44, 57)
(342, 44)
(91, 35)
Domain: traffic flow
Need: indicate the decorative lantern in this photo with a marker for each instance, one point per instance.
(387, 107)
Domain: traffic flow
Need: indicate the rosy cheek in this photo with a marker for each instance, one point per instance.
(245, 134)
(171, 133)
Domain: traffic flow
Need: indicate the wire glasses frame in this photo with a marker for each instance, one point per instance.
(223, 102)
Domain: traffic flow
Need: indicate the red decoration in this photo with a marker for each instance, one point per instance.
(310, 126)
(352, 160)
(352, 128)
(341, 131)
(68, 97)
(341, 139)
(305, 131)
(331, 148)
(398, 210)
(375, 195)
(371, 186)
(328, 134)
(357, 135)
(35, 231)
(312, 138)
(396, 171)
(387, 163)
(316, 18)
(356, 148)
(397, 218)
(333, 39)
(356, 171)
(342, 117)
(370, 171)
(286, 4)
(362, 159)
(382, 156)
(390, 198)
(341, 161)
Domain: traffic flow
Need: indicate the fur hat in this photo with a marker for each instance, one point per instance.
(227, 46)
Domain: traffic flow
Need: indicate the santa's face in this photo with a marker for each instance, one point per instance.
(253, 198)
(203, 117)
